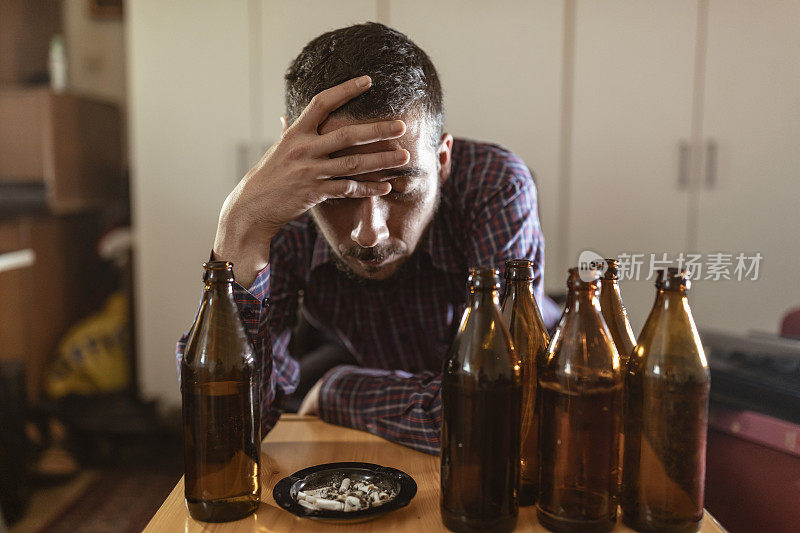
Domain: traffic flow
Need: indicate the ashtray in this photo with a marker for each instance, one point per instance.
(314, 492)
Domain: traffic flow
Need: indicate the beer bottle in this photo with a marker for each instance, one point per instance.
(579, 416)
(614, 312)
(666, 416)
(616, 318)
(481, 403)
(529, 336)
(221, 413)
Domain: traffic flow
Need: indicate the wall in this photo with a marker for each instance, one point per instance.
(188, 96)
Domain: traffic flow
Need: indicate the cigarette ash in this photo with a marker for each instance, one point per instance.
(347, 495)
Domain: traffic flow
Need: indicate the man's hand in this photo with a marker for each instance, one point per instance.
(295, 175)
(310, 405)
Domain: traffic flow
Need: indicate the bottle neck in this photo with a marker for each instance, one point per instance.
(583, 297)
(517, 288)
(218, 277)
(219, 286)
(610, 293)
(483, 297)
(671, 299)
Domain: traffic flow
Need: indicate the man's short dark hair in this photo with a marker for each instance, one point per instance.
(404, 80)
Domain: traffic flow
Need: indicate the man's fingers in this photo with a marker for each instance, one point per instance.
(329, 100)
(354, 135)
(355, 189)
(353, 164)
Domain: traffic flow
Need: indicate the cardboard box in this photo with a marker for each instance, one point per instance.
(70, 144)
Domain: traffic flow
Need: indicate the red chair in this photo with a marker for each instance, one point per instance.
(790, 327)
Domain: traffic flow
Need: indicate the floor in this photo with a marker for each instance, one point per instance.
(47, 502)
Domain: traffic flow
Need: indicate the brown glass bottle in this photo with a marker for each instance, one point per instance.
(529, 336)
(580, 385)
(616, 318)
(221, 417)
(614, 312)
(481, 404)
(666, 416)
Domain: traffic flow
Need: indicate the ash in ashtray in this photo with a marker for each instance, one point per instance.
(346, 496)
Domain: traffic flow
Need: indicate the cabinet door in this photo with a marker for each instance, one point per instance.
(500, 66)
(752, 116)
(286, 27)
(189, 80)
(633, 83)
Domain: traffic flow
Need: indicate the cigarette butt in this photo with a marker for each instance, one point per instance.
(329, 505)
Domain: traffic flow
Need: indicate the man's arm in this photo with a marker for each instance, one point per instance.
(396, 405)
(295, 174)
(407, 408)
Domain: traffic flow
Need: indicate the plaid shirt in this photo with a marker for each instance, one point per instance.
(398, 332)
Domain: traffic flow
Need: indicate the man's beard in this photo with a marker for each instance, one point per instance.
(401, 273)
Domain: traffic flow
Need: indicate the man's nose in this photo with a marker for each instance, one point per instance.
(370, 227)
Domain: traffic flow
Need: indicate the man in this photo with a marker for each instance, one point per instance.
(374, 214)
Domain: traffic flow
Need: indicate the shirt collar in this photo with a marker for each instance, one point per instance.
(321, 253)
(443, 248)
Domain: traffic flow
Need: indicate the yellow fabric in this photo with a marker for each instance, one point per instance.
(94, 354)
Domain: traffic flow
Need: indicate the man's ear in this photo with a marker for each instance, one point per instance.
(284, 123)
(444, 156)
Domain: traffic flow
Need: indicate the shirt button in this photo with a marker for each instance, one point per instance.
(265, 302)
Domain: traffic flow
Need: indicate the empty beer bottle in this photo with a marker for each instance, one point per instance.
(579, 417)
(481, 403)
(529, 336)
(616, 318)
(666, 416)
(614, 312)
(221, 417)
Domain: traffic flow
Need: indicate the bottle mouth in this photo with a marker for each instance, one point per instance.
(483, 279)
(612, 269)
(217, 271)
(519, 270)
(582, 279)
(673, 279)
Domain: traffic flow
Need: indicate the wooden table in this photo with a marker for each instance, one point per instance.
(300, 441)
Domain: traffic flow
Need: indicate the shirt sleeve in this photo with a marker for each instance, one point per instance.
(269, 321)
(396, 405)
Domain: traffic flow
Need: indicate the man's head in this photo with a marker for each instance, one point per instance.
(372, 237)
